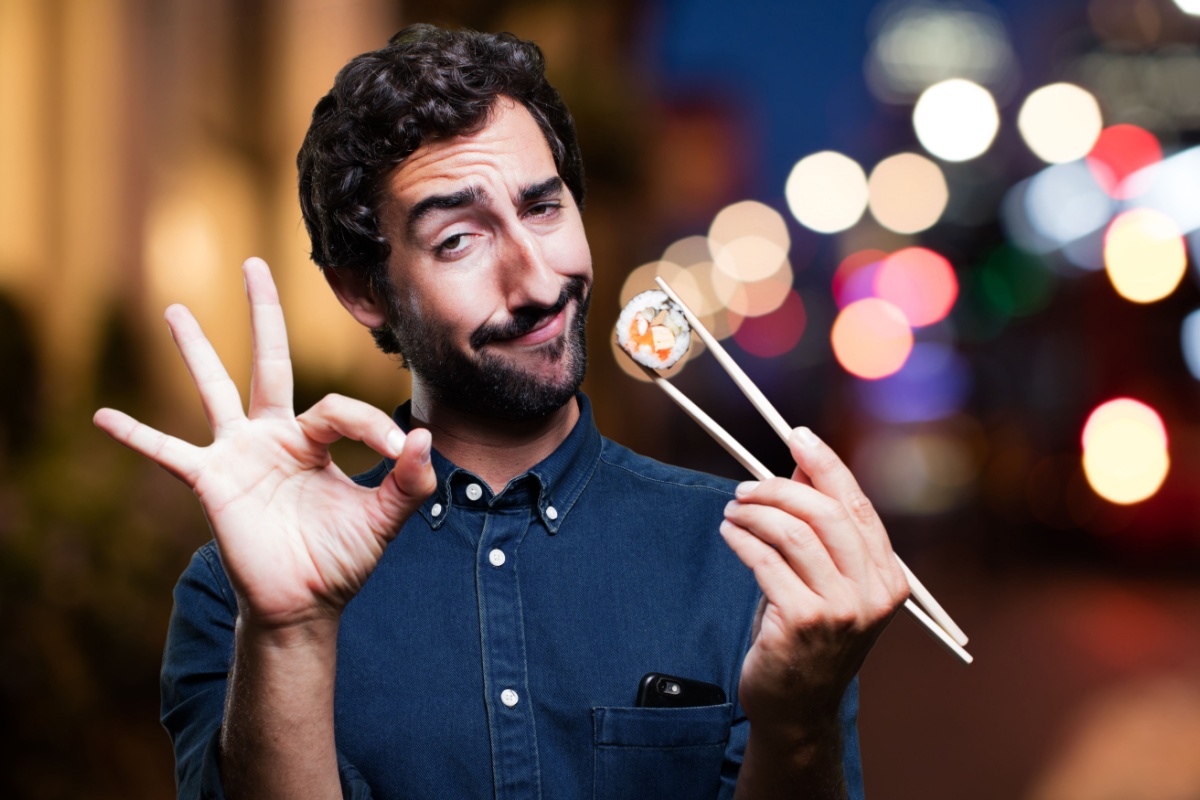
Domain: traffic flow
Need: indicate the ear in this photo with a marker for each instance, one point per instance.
(354, 292)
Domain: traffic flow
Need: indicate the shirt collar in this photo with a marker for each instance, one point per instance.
(553, 485)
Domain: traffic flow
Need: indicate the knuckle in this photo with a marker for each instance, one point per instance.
(825, 460)
(764, 561)
(830, 510)
(861, 507)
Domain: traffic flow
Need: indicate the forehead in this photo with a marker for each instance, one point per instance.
(508, 152)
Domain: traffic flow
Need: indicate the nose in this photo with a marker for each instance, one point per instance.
(528, 275)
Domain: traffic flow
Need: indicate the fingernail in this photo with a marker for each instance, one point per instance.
(423, 456)
(395, 443)
(726, 528)
(805, 438)
(745, 487)
(732, 506)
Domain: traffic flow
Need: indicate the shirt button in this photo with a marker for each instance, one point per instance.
(551, 512)
(436, 510)
(474, 491)
(496, 557)
(509, 698)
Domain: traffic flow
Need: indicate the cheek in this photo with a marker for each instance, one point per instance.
(571, 253)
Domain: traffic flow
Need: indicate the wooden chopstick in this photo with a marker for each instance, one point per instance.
(783, 430)
(760, 472)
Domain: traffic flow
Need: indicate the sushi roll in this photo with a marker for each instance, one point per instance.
(653, 330)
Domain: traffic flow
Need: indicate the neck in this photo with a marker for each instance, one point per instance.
(497, 450)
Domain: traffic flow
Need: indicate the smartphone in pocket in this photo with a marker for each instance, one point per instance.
(659, 690)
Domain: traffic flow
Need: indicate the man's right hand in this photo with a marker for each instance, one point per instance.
(297, 537)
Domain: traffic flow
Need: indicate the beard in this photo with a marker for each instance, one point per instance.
(486, 384)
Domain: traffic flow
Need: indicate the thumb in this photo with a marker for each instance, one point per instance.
(410, 481)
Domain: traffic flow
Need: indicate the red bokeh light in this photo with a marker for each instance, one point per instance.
(776, 333)
(920, 283)
(1121, 151)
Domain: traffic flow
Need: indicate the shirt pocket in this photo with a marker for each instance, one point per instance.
(648, 753)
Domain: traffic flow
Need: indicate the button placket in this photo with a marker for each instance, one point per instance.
(515, 768)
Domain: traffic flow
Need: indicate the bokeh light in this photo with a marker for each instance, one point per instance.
(855, 276)
(919, 44)
(642, 278)
(907, 193)
(1065, 202)
(871, 338)
(956, 120)
(748, 240)
(932, 384)
(920, 282)
(1125, 455)
(775, 333)
(1189, 7)
(1144, 255)
(1060, 122)
(1169, 186)
(1119, 152)
(750, 258)
(929, 469)
(1190, 341)
(687, 251)
(827, 192)
(755, 298)
(1012, 284)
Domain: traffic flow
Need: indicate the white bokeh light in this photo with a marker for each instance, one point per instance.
(827, 192)
(956, 120)
(1060, 122)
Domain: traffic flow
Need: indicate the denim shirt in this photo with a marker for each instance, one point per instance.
(496, 649)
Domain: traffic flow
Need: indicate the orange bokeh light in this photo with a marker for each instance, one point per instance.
(1121, 151)
(920, 283)
(871, 338)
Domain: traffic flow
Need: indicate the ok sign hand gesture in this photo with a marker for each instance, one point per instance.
(297, 537)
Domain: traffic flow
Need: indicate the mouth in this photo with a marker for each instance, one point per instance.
(546, 329)
(531, 327)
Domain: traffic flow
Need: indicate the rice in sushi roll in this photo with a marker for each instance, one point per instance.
(653, 330)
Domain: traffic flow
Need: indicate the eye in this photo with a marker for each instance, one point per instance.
(548, 209)
(453, 244)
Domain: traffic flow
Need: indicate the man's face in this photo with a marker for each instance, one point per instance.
(490, 270)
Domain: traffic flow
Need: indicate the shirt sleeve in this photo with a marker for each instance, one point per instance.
(195, 672)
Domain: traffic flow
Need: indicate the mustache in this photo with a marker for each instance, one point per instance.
(526, 319)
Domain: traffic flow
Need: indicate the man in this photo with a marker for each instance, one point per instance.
(473, 620)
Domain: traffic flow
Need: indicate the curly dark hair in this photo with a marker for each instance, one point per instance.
(429, 83)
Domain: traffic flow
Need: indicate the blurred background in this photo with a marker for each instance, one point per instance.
(957, 239)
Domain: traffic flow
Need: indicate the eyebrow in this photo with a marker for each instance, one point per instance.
(474, 195)
(540, 191)
(471, 195)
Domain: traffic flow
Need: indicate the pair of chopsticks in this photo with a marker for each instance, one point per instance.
(929, 613)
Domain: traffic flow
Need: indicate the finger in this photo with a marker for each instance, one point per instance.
(174, 455)
(335, 417)
(218, 394)
(794, 539)
(830, 476)
(271, 378)
(779, 583)
(410, 481)
(829, 521)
